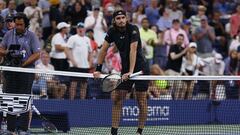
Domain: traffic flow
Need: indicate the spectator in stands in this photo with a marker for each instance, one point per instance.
(170, 36)
(34, 14)
(55, 14)
(190, 66)
(231, 63)
(152, 12)
(96, 22)
(47, 85)
(174, 12)
(235, 42)
(205, 37)
(11, 4)
(223, 6)
(9, 23)
(196, 19)
(15, 82)
(59, 43)
(127, 6)
(46, 24)
(160, 49)
(1, 28)
(76, 13)
(158, 89)
(164, 22)
(108, 15)
(113, 60)
(174, 63)
(21, 7)
(175, 56)
(220, 44)
(79, 52)
(187, 28)
(214, 66)
(138, 15)
(149, 38)
(2, 5)
(235, 23)
(94, 45)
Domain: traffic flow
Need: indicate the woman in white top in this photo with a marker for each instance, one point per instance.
(59, 44)
(190, 65)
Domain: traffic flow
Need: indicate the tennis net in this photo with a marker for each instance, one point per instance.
(75, 103)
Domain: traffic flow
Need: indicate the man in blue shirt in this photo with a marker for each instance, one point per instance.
(21, 48)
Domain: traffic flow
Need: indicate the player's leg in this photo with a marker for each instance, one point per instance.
(141, 94)
(117, 107)
(120, 94)
(142, 104)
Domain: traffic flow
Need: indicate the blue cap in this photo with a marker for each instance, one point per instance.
(187, 22)
(80, 25)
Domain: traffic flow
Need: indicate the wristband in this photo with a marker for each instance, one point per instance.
(99, 67)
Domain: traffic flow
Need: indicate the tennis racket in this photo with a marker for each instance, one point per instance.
(46, 124)
(112, 81)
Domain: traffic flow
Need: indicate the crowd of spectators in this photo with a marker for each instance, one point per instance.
(179, 37)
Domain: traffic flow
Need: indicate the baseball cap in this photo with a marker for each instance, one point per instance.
(218, 57)
(9, 18)
(62, 25)
(119, 12)
(193, 44)
(187, 22)
(80, 25)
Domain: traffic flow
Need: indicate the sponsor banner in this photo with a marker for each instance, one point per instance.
(92, 113)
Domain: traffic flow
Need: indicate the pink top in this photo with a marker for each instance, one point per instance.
(170, 37)
(114, 60)
(235, 24)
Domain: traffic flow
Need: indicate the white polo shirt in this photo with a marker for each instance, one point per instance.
(81, 47)
(58, 39)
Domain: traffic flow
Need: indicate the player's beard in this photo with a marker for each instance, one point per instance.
(121, 28)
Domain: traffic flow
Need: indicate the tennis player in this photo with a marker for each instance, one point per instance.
(127, 39)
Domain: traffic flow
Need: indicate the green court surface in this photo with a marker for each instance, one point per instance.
(155, 130)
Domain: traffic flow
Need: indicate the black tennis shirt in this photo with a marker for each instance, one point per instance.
(123, 40)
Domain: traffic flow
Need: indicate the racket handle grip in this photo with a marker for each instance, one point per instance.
(36, 110)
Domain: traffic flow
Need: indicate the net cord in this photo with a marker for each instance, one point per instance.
(140, 77)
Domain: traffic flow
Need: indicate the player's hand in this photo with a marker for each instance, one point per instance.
(126, 76)
(96, 74)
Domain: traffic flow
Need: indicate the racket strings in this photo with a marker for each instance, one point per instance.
(111, 82)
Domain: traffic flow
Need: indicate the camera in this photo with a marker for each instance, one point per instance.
(14, 56)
